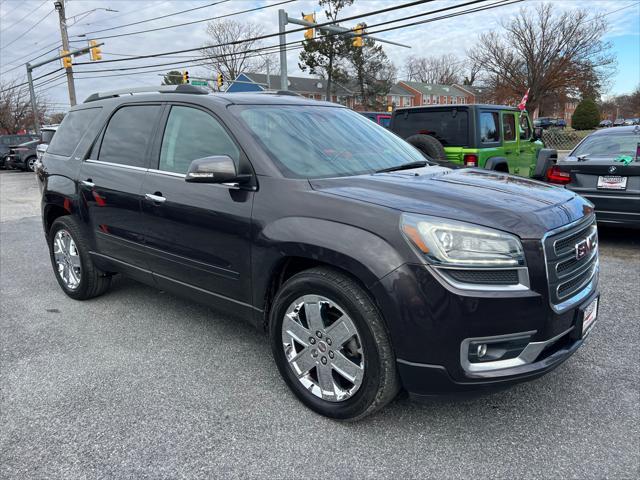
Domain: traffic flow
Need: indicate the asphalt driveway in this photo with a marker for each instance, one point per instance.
(142, 384)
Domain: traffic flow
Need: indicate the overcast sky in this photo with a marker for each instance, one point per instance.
(453, 35)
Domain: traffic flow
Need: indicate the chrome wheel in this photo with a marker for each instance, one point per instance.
(323, 348)
(67, 259)
(31, 163)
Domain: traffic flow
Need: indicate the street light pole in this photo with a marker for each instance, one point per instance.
(59, 4)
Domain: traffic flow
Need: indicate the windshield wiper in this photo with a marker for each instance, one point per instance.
(583, 157)
(404, 166)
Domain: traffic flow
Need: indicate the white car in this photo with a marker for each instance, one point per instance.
(46, 134)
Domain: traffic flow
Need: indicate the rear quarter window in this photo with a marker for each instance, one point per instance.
(450, 127)
(73, 127)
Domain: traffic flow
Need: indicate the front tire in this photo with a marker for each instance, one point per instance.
(74, 269)
(331, 346)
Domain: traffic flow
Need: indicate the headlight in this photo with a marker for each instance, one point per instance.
(449, 242)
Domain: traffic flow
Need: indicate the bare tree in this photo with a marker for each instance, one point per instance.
(441, 70)
(232, 60)
(15, 108)
(547, 53)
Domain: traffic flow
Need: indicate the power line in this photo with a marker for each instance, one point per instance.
(21, 19)
(270, 35)
(151, 19)
(207, 60)
(31, 28)
(104, 37)
(32, 59)
(13, 87)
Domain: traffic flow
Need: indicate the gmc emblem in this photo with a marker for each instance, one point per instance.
(584, 247)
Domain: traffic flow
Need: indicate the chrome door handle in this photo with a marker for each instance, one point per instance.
(155, 198)
(88, 183)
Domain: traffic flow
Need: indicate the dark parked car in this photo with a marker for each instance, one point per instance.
(544, 122)
(605, 169)
(22, 156)
(618, 122)
(370, 269)
(8, 141)
(381, 118)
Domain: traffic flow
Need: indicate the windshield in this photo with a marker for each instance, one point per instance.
(316, 142)
(609, 146)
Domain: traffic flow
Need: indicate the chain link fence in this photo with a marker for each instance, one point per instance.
(562, 138)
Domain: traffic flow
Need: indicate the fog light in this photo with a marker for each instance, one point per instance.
(481, 350)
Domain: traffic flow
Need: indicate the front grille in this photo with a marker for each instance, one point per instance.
(484, 277)
(568, 275)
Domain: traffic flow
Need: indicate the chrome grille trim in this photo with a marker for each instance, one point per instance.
(569, 279)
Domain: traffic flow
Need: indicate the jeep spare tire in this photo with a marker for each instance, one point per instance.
(429, 145)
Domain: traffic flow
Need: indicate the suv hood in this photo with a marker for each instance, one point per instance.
(514, 204)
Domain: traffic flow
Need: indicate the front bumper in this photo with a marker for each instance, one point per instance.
(431, 325)
(13, 161)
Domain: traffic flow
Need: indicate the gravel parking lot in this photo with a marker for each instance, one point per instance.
(140, 383)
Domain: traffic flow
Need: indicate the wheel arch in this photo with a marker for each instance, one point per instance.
(359, 254)
(499, 164)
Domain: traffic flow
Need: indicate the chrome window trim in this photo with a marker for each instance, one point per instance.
(589, 287)
(527, 356)
(522, 285)
(166, 172)
(121, 165)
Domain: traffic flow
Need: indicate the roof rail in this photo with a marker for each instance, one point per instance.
(185, 88)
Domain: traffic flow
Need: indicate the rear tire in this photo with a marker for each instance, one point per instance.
(348, 315)
(73, 267)
(29, 164)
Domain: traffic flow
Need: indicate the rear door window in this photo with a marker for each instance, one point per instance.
(489, 127)
(525, 127)
(509, 127)
(73, 127)
(128, 135)
(450, 127)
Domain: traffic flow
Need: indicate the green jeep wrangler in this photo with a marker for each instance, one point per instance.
(494, 137)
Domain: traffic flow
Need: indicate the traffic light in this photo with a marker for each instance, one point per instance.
(185, 77)
(309, 33)
(357, 40)
(220, 80)
(67, 62)
(95, 53)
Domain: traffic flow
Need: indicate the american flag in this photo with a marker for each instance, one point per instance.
(523, 103)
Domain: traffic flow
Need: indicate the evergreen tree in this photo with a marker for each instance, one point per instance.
(586, 116)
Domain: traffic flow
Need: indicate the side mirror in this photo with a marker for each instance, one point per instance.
(214, 169)
(537, 133)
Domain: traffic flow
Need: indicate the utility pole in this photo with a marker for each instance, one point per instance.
(282, 24)
(59, 4)
(34, 104)
(268, 74)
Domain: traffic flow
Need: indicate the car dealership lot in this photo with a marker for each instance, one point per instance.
(142, 383)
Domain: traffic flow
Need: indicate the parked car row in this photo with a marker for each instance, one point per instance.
(8, 141)
(619, 122)
(30, 148)
(549, 122)
(372, 268)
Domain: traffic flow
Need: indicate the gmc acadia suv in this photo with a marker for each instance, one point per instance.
(371, 269)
